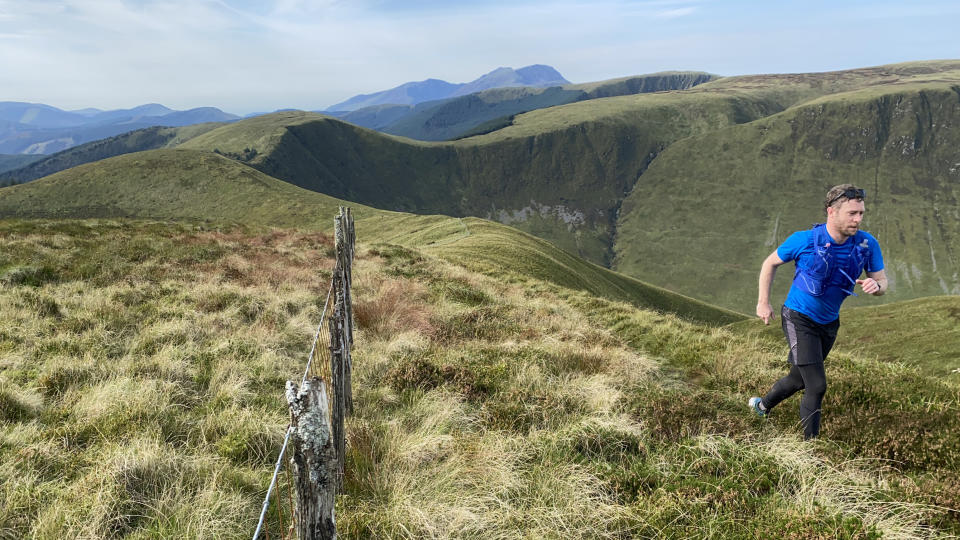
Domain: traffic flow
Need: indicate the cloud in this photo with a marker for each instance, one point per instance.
(674, 13)
(244, 55)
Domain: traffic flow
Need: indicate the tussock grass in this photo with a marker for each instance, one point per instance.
(146, 489)
(393, 307)
(139, 385)
(149, 403)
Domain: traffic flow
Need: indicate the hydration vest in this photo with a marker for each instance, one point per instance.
(816, 271)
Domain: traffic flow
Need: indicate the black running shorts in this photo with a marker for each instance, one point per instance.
(809, 340)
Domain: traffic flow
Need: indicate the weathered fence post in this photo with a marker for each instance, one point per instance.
(349, 241)
(317, 437)
(336, 372)
(350, 238)
(313, 459)
(344, 236)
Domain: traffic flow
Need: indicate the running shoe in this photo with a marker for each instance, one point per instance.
(754, 404)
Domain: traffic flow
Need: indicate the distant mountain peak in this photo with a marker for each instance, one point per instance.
(38, 128)
(412, 93)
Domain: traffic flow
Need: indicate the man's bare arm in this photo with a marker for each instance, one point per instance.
(875, 283)
(767, 272)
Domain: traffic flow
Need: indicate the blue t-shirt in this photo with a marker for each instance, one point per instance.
(825, 309)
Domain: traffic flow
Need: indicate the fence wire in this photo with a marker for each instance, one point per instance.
(319, 364)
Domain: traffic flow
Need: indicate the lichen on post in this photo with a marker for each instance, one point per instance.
(313, 459)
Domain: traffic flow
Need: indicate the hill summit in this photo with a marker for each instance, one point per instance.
(411, 93)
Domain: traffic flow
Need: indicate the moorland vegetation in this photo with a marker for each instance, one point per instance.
(143, 364)
(650, 183)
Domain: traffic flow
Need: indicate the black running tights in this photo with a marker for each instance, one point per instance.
(813, 381)
(810, 343)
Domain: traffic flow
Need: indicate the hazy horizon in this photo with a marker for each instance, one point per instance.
(244, 56)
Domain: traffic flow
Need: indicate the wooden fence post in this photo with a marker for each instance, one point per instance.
(313, 459)
(336, 371)
(344, 237)
(351, 238)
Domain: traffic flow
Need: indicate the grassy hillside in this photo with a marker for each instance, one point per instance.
(14, 161)
(561, 172)
(142, 366)
(558, 173)
(135, 141)
(670, 187)
(726, 199)
(508, 254)
(169, 184)
(213, 189)
(922, 334)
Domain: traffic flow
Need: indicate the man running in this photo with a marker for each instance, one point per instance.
(829, 260)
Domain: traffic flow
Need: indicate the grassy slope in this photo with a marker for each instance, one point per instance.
(141, 373)
(169, 184)
(134, 141)
(560, 173)
(728, 198)
(9, 162)
(922, 333)
(509, 254)
(201, 186)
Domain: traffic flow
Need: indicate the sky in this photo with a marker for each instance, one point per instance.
(247, 56)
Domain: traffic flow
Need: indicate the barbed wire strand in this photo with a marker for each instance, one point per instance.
(316, 337)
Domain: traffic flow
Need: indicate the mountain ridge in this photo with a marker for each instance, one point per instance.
(453, 117)
(412, 93)
(564, 173)
(486, 110)
(35, 128)
(612, 179)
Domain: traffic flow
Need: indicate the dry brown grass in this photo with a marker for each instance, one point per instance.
(395, 307)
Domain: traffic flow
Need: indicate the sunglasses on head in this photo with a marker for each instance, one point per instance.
(849, 194)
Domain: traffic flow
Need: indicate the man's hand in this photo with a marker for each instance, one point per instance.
(765, 312)
(767, 270)
(869, 285)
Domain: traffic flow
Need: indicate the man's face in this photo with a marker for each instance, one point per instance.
(846, 218)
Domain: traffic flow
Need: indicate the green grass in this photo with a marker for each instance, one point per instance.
(647, 183)
(135, 141)
(171, 184)
(141, 377)
(726, 199)
(213, 190)
(139, 374)
(922, 334)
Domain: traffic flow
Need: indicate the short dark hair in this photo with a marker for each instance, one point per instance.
(836, 197)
